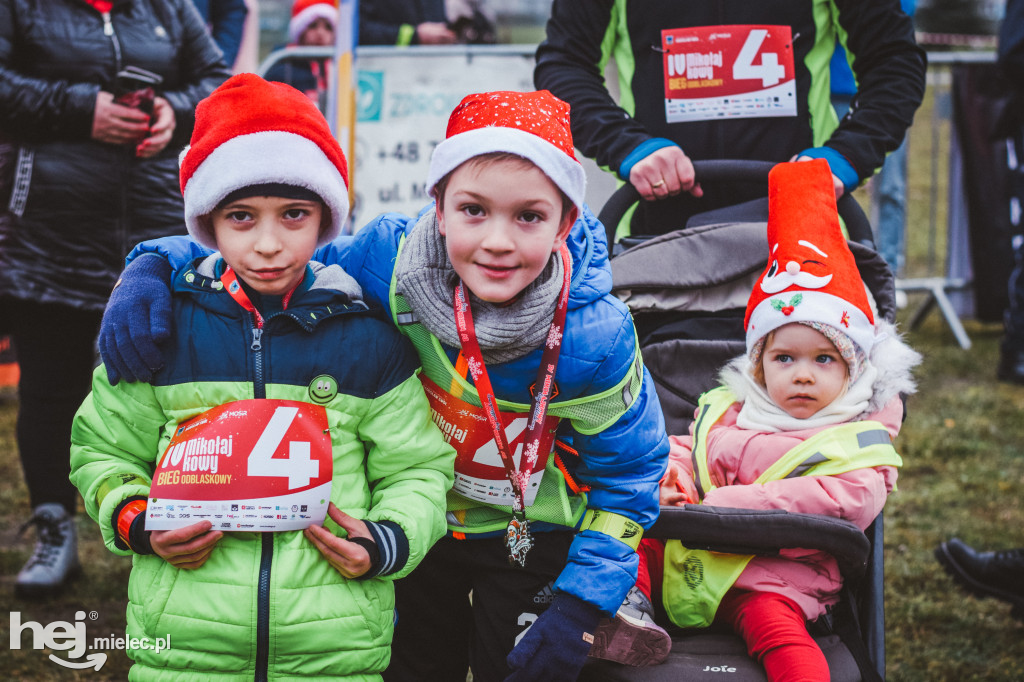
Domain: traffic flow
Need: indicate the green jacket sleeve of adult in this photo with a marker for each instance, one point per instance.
(114, 446)
(410, 468)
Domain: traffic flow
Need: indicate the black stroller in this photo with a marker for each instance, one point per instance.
(687, 291)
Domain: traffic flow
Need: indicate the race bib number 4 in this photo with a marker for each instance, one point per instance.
(716, 72)
(248, 465)
(479, 473)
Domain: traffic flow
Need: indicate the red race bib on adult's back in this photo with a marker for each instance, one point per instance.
(722, 72)
(247, 465)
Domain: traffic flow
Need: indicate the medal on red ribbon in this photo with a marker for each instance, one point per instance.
(517, 537)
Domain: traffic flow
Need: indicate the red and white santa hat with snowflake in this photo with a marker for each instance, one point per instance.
(305, 12)
(253, 133)
(811, 276)
(534, 125)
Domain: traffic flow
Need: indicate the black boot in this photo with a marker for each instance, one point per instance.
(1011, 364)
(986, 574)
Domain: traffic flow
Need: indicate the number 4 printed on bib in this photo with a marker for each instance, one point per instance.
(297, 467)
(769, 70)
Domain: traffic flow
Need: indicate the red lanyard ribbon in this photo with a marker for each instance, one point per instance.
(234, 288)
(542, 389)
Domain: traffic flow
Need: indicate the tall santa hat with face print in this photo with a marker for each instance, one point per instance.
(811, 276)
(534, 125)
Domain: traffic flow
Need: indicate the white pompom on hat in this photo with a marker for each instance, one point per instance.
(253, 132)
(305, 12)
(533, 125)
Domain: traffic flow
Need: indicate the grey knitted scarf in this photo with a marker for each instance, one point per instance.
(427, 280)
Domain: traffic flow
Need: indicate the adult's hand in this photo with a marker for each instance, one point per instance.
(187, 548)
(837, 184)
(348, 558)
(435, 33)
(664, 173)
(114, 123)
(160, 131)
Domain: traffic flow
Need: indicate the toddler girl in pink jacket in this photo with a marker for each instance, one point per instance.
(804, 421)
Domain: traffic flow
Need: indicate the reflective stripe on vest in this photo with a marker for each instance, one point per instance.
(696, 580)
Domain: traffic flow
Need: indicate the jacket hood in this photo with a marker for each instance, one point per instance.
(591, 270)
(332, 292)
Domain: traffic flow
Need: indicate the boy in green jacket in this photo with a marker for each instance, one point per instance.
(257, 326)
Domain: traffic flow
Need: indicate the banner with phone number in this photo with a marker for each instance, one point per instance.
(247, 465)
(718, 72)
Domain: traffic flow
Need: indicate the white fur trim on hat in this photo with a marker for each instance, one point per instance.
(563, 170)
(814, 306)
(259, 158)
(304, 19)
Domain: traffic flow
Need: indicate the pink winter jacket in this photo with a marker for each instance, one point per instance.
(736, 457)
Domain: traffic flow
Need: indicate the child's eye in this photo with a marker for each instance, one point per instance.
(824, 359)
(472, 210)
(296, 213)
(531, 217)
(239, 216)
(783, 358)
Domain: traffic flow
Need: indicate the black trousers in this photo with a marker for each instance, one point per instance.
(1014, 317)
(55, 348)
(443, 630)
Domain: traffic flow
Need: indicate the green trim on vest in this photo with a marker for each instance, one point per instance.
(696, 580)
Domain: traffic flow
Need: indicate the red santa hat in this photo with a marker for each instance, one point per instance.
(305, 12)
(253, 132)
(534, 125)
(811, 276)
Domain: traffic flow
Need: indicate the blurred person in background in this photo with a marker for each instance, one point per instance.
(92, 177)
(1010, 60)
(226, 21)
(312, 24)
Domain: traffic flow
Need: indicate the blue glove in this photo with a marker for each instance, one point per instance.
(554, 648)
(137, 318)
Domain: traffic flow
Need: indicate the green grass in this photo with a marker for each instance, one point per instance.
(963, 476)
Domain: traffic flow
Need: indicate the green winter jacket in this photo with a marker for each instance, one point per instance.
(268, 605)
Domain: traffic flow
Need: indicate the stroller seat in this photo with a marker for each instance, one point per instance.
(687, 291)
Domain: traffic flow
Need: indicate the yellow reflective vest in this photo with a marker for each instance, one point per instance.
(696, 580)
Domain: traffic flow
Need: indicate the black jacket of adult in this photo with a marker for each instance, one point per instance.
(80, 205)
(878, 36)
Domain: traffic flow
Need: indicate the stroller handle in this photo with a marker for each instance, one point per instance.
(734, 170)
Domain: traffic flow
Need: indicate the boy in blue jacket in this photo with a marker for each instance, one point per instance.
(253, 363)
(533, 372)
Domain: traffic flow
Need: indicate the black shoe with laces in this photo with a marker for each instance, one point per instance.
(986, 574)
(55, 559)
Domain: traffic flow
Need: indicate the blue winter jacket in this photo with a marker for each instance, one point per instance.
(622, 464)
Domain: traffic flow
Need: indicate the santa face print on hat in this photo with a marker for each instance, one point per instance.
(811, 275)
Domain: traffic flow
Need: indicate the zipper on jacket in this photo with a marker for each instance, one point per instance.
(259, 389)
(263, 608)
(108, 30)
